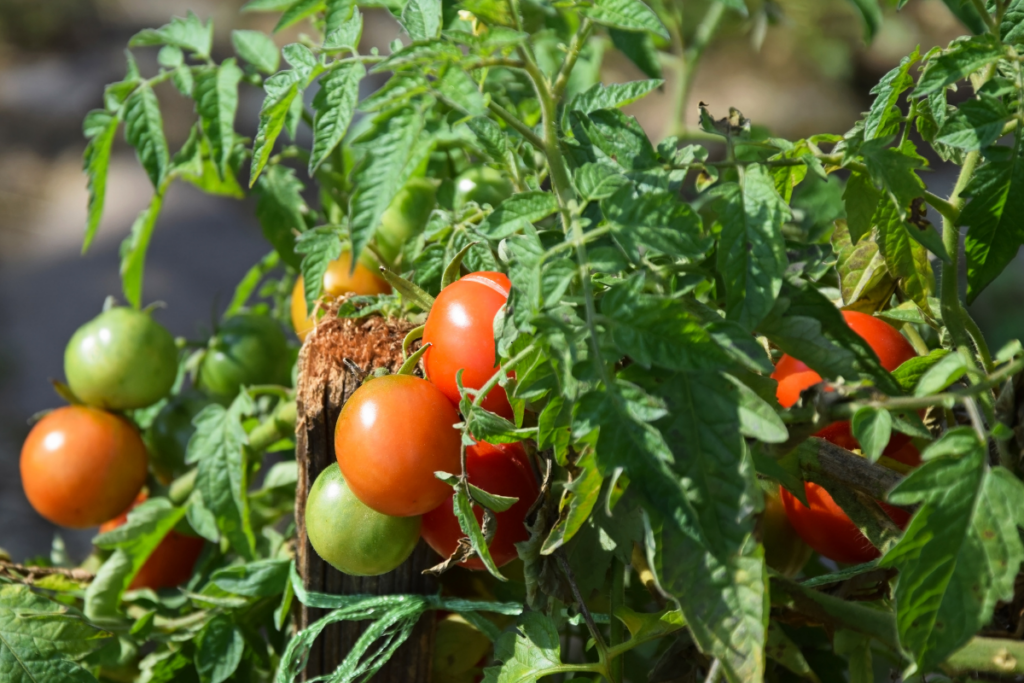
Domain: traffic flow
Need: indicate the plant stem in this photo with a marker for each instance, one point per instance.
(575, 47)
(990, 22)
(616, 630)
(595, 633)
(517, 125)
(689, 60)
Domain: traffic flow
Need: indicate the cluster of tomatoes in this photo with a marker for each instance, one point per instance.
(87, 464)
(365, 513)
(822, 524)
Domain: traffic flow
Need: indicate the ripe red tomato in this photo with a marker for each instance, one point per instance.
(460, 329)
(337, 281)
(81, 466)
(170, 564)
(784, 550)
(392, 435)
(501, 469)
(823, 525)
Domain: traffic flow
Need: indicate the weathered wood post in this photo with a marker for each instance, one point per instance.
(325, 383)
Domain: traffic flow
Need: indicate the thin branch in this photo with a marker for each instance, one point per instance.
(575, 47)
(517, 125)
(591, 624)
(29, 574)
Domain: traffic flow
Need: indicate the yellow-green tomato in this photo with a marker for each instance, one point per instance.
(352, 537)
(458, 647)
(482, 185)
(784, 550)
(121, 359)
(406, 217)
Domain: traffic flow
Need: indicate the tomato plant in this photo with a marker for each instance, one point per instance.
(503, 470)
(459, 329)
(392, 435)
(338, 280)
(121, 359)
(630, 288)
(248, 349)
(168, 434)
(81, 466)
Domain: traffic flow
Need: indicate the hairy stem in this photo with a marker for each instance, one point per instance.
(689, 60)
(575, 47)
(616, 630)
(595, 633)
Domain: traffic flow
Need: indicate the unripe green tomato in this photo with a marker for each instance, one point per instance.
(482, 185)
(352, 537)
(121, 359)
(458, 646)
(784, 550)
(248, 349)
(168, 435)
(406, 217)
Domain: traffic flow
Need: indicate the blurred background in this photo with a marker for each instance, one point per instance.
(811, 74)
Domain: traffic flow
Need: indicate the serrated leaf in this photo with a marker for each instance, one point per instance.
(273, 115)
(962, 550)
(421, 19)
(490, 136)
(909, 373)
(947, 369)
(297, 11)
(751, 250)
(995, 218)
(580, 497)
(515, 212)
(133, 251)
(892, 169)
(259, 579)
(630, 15)
(872, 427)
(144, 130)
(189, 33)
(887, 92)
(656, 220)
(279, 209)
(612, 96)
(861, 198)
(257, 48)
(864, 280)
(905, 258)
(218, 447)
(975, 124)
(598, 181)
(100, 127)
(347, 33)
(216, 95)
(527, 652)
(639, 49)
(219, 650)
(319, 247)
(381, 173)
(462, 506)
(962, 58)
(334, 105)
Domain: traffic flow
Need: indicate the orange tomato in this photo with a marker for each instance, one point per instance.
(337, 281)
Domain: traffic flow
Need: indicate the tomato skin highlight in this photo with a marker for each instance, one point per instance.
(337, 281)
(824, 526)
(351, 536)
(171, 562)
(392, 434)
(460, 329)
(81, 466)
(504, 470)
(483, 185)
(121, 359)
(248, 349)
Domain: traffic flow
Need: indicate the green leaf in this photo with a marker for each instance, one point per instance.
(297, 11)
(421, 19)
(334, 105)
(1011, 28)
(144, 130)
(887, 92)
(100, 127)
(578, 501)
(319, 247)
(962, 550)
(943, 372)
(462, 506)
(974, 125)
(614, 138)
(518, 210)
(787, 653)
(491, 501)
(720, 583)
(656, 220)
(282, 90)
(871, 15)
(381, 173)
(612, 96)
(219, 650)
(280, 209)
(892, 169)
(751, 249)
(257, 48)
(267, 5)
(630, 15)
(189, 33)
(639, 49)
(905, 257)
(347, 34)
(527, 653)
(216, 95)
(909, 373)
(219, 447)
(39, 638)
(861, 198)
(872, 427)
(864, 280)
(260, 579)
(133, 251)
(599, 181)
(490, 136)
(995, 217)
(962, 58)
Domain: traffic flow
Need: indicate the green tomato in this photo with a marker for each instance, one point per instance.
(248, 349)
(482, 185)
(168, 435)
(121, 359)
(349, 535)
(406, 217)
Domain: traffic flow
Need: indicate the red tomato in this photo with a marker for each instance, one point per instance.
(170, 564)
(501, 469)
(81, 466)
(460, 329)
(392, 435)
